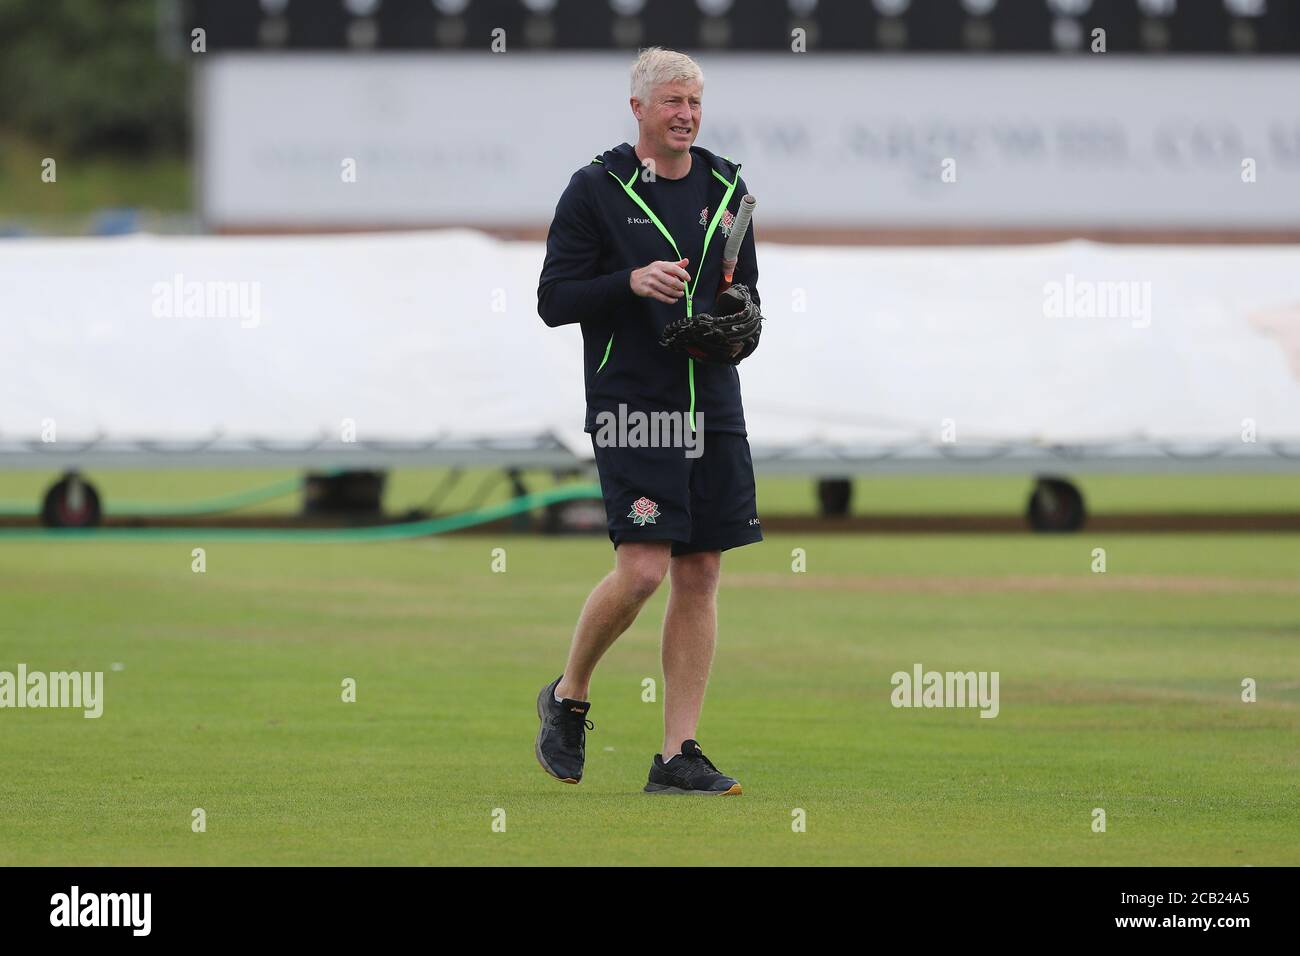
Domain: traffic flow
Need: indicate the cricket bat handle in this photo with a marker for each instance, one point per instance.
(731, 251)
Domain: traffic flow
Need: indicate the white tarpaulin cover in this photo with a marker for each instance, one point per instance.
(410, 336)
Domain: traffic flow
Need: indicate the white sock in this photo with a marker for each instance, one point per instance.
(558, 698)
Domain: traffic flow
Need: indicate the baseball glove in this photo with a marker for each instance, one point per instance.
(725, 336)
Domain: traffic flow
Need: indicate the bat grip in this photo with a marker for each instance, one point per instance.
(728, 271)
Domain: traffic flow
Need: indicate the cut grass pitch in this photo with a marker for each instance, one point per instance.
(1120, 691)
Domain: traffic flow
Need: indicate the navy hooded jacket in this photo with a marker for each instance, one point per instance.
(599, 235)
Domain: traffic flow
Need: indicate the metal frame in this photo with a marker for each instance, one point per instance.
(547, 451)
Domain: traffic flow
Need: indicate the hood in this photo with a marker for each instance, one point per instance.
(623, 161)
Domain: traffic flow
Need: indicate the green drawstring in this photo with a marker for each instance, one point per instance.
(699, 268)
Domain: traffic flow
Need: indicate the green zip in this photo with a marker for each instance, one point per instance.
(690, 286)
(608, 345)
(690, 376)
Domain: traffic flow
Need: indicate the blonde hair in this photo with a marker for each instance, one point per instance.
(656, 66)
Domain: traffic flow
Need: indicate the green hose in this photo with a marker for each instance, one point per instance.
(388, 532)
(162, 509)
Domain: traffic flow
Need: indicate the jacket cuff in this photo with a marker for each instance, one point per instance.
(619, 291)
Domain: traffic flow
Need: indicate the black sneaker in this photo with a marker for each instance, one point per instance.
(562, 739)
(690, 772)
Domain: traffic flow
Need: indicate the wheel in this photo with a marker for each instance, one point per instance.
(834, 497)
(344, 493)
(72, 502)
(1056, 505)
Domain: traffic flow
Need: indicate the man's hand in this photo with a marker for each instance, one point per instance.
(662, 280)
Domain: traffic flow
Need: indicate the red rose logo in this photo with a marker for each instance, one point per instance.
(644, 511)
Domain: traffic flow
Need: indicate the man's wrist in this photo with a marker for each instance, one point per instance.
(623, 283)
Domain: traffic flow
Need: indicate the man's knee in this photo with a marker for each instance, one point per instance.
(697, 575)
(642, 566)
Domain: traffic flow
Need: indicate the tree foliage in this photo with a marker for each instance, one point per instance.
(88, 76)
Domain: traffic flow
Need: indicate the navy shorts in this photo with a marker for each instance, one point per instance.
(699, 504)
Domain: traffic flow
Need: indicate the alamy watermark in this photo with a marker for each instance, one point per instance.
(181, 299)
(75, 908)
(1091, 299)
(82, 690)
(635, 429)
(922, 688)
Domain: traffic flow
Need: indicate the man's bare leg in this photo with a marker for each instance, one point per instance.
(690, 631)
(639, 567)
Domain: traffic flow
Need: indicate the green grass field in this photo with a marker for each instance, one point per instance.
(1120, 691)
(21, 492)
(87, 183)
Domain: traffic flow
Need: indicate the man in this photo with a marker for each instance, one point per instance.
(636, 243)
